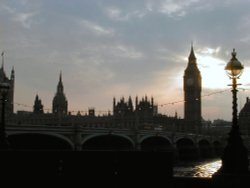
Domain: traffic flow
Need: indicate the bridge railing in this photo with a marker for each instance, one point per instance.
(111, 123)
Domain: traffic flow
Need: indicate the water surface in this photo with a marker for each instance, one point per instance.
(197, 169)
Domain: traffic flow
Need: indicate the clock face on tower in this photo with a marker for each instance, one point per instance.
(190, 81)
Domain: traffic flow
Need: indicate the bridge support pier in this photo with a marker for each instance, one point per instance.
(137, 143)
(78, 139)
(175, 152)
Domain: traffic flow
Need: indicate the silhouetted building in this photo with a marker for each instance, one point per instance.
(38, 107)
(11, 81)
(221, 123)
(60, 103)
(122, 108)
(244, 118)
(192, 93)
(144, 109)
(92, 112)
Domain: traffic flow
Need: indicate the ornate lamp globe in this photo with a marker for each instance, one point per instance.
(234, 67)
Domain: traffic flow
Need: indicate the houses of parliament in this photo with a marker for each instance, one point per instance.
(125, 112)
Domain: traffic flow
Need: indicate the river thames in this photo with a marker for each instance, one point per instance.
(197, 169)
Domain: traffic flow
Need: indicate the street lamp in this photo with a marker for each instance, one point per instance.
(235, 156)
(4, 144)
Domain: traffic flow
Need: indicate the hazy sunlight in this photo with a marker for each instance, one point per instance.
(214, 75)
(212, 71)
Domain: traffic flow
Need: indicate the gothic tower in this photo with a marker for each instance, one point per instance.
(11, 82)
(10, 105)
(192, 93)
(38, 107)
(60, 103)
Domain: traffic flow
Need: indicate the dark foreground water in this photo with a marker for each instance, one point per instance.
(197, 169)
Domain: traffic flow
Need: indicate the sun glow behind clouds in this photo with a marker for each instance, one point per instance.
(212, 71)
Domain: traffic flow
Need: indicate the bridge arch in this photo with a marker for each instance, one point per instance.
(218, 148)
(186, 149)
(107, 142)
(155, 143)
(39, 141)
(176, 139)
(205, 148)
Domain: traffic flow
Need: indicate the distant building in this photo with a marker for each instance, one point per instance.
(123, 108)
(244, 118)
(144, 110)
(221, 123)
(91, 112)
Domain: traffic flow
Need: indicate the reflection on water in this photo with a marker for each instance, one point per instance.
(197, 169)
(207, 170)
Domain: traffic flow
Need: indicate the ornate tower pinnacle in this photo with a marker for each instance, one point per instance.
(60, 84)
(60, 103)
(192, 55)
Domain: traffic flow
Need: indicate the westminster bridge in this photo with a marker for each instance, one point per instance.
(185, 145)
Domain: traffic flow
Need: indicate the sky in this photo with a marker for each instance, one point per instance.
(111, 48)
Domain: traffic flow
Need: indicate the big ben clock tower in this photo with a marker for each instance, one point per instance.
(192, 93)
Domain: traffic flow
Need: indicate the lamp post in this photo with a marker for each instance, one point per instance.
(4, 144)
(234, 167)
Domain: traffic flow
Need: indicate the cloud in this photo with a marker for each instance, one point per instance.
(25, 19)
(22, 12)
(103, 53)
(209, 51)
(176, 8)
(117, 14)
(245, 39)
(171, 8)
(96, 28)
(8, 9)
(127, 52)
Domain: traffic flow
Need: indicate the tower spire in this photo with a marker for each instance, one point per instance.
(191, 55)
(60, 76)
(60, 84)
(60, 103)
